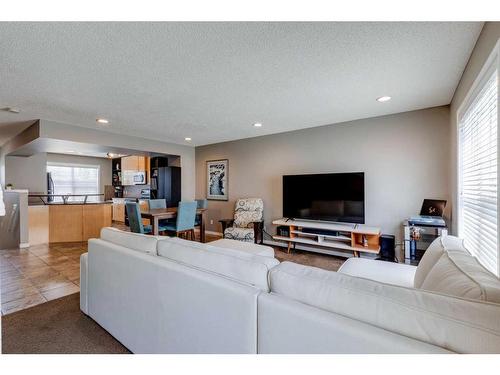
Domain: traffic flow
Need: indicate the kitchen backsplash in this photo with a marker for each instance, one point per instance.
(133, 191)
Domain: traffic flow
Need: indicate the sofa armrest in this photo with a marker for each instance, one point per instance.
(84, 283)
(226, 223)
(385, 272)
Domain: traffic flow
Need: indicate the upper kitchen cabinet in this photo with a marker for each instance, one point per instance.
(134, 163)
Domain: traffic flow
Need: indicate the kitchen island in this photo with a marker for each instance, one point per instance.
(65, 220)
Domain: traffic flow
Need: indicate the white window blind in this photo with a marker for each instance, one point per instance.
(75, 179)
(478, 158)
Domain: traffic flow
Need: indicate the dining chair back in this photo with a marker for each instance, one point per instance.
(134, 217)
(200, 204)
(186, 214)
(157, 203)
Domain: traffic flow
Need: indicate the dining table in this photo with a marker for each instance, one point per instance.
(157, 214)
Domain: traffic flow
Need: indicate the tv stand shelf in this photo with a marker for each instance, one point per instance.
(349, 237)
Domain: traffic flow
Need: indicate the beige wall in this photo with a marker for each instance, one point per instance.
(105, 168)
(404, 157)
(27, 172)
(484, 46)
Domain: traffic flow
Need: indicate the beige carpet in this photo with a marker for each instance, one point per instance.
(56, 327)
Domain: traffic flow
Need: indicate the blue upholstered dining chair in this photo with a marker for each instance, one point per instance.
(184, 223)
(135, 220)
(200, 204)
(157, 203)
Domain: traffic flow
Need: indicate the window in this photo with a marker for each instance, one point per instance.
(75, 179)
(478, 168)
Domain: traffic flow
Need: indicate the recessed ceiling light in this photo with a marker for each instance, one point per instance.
(383, 99)
(102, 121)
(71, 151)
(11, 110)
(187, 139)
(257, 125)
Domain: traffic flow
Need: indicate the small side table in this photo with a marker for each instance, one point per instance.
(416, 245)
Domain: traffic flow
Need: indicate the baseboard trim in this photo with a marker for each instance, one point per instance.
(212, 233)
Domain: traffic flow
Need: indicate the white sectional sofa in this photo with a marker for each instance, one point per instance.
(167, 295)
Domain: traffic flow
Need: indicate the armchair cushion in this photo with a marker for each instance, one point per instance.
(240, 234)
(247, 211)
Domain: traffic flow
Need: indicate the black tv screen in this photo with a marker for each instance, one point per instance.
(337, 197)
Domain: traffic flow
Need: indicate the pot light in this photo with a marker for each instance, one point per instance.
(71, 151)
(102, 121)
(187, 139)
(257, 125)
(383, 99)
(11, 110)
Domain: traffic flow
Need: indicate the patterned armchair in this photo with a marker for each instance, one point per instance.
(248, 222)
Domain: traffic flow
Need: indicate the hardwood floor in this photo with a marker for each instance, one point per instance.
(41, 273)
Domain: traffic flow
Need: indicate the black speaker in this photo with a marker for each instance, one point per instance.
(387, 248)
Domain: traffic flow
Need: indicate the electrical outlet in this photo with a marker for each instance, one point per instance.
(211, 221)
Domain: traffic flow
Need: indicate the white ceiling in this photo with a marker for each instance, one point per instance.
(212, 81)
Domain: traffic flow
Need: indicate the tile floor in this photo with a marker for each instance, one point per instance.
(38, 274)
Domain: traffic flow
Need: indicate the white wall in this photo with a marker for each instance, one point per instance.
(404, 157)
(27, 172)
(484, 45)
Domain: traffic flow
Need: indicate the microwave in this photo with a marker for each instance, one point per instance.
(139, 178)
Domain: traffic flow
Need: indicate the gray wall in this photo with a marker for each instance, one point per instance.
(27, 172)
(404, 157)
(105, 168)
(484, 46)
(55, 130)
(30, 172)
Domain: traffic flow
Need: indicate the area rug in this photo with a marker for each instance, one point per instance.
(56, 327)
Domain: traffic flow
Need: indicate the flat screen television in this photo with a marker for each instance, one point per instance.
(336, 197)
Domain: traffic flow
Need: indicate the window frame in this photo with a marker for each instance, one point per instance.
(492, 63)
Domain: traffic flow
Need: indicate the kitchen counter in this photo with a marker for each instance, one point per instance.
(55, 222)
(66, 199)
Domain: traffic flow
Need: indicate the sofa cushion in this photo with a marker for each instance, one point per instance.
(459, 274)
(384, 272)
(134, 241)
(459, 325)
(231, 251)
(435, 250)
(250, 269)
(246, 247)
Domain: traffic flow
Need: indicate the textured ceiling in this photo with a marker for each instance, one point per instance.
(212, 81)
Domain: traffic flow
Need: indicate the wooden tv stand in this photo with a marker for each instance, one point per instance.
(348, 237)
